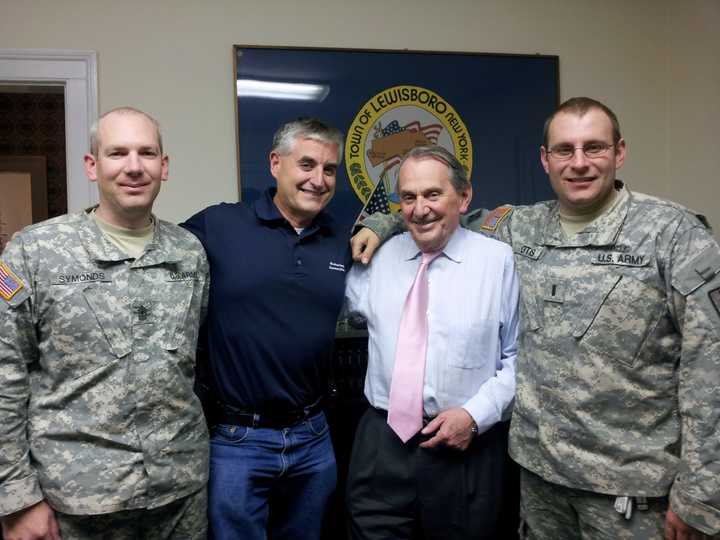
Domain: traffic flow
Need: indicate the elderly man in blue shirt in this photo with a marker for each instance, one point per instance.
(441, 305)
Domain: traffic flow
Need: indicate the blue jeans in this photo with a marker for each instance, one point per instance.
(270, 483)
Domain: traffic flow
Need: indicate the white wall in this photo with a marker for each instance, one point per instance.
(654, 61)
(692, 122)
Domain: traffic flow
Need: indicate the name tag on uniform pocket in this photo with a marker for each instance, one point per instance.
(531, 252)
(73, 278)
(183, 276)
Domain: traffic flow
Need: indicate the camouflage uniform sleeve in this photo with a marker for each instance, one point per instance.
(385, 225)
(694, 296)
(19, 487)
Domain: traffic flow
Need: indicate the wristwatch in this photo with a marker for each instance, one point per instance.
(474, 428)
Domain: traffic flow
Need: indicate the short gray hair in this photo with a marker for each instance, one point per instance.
(94, 129)
(458, 174)
(306, 128)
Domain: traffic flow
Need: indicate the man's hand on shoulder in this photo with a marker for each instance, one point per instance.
(36, 522)
(677, 529)
(364, 243)
(452, 428)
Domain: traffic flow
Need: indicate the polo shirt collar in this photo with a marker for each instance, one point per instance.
(266, 210)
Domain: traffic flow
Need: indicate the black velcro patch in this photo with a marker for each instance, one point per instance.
(715, 299)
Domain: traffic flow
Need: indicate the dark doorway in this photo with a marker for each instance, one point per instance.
(32, 132)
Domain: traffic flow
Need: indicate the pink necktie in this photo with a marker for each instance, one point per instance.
(405, 410)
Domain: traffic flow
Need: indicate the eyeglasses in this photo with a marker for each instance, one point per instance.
(591, 150)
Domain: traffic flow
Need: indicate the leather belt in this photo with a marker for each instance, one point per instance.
(382, 412)
(275, 419)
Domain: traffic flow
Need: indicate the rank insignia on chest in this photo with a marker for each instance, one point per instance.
(142, 309)
(715, 299)
(554, 292)
(495, 218)
(10, 284)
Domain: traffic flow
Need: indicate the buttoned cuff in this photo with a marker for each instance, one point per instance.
(697, 514)
(483, 412)
(23, 493)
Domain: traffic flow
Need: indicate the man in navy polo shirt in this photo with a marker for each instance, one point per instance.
(277, 272)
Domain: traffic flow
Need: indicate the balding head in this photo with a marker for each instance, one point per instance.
(95, 129)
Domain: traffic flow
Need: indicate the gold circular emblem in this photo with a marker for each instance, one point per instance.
(390, 124)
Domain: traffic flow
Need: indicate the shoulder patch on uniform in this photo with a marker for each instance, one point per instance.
(10, 284)
(715, 299)
(495, 218)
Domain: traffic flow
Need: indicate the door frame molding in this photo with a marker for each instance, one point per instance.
(76, 71)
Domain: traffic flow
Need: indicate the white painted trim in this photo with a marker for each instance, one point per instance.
(77, 72)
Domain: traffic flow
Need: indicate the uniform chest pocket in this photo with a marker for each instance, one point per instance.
(110, 315)
(616, 317)
(81, 329)
(531, 318)
(172, 327)
(530, 272)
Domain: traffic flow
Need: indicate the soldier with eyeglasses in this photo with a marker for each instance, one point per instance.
(616, 424)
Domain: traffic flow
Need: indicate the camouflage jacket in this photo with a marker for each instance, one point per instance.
(97, 355)
(618, 364)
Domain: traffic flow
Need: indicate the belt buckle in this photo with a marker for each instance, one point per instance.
(278, 420)
(295, 417)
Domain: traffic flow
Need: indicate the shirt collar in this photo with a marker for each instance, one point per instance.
(453, 250)
(96, 244)
(266, 210)
(603, 231)
(159, 250)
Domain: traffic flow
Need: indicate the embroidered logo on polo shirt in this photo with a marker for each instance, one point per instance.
(336, 266)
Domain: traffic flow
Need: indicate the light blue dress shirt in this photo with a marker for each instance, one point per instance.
(472, 323)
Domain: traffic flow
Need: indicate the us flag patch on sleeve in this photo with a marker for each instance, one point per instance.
(10, 284)
(495, 218)
(715, 299)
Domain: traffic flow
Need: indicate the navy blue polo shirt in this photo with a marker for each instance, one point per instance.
(275, 296)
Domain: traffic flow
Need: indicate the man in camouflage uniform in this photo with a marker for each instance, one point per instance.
(101, 434)
(616, 416)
